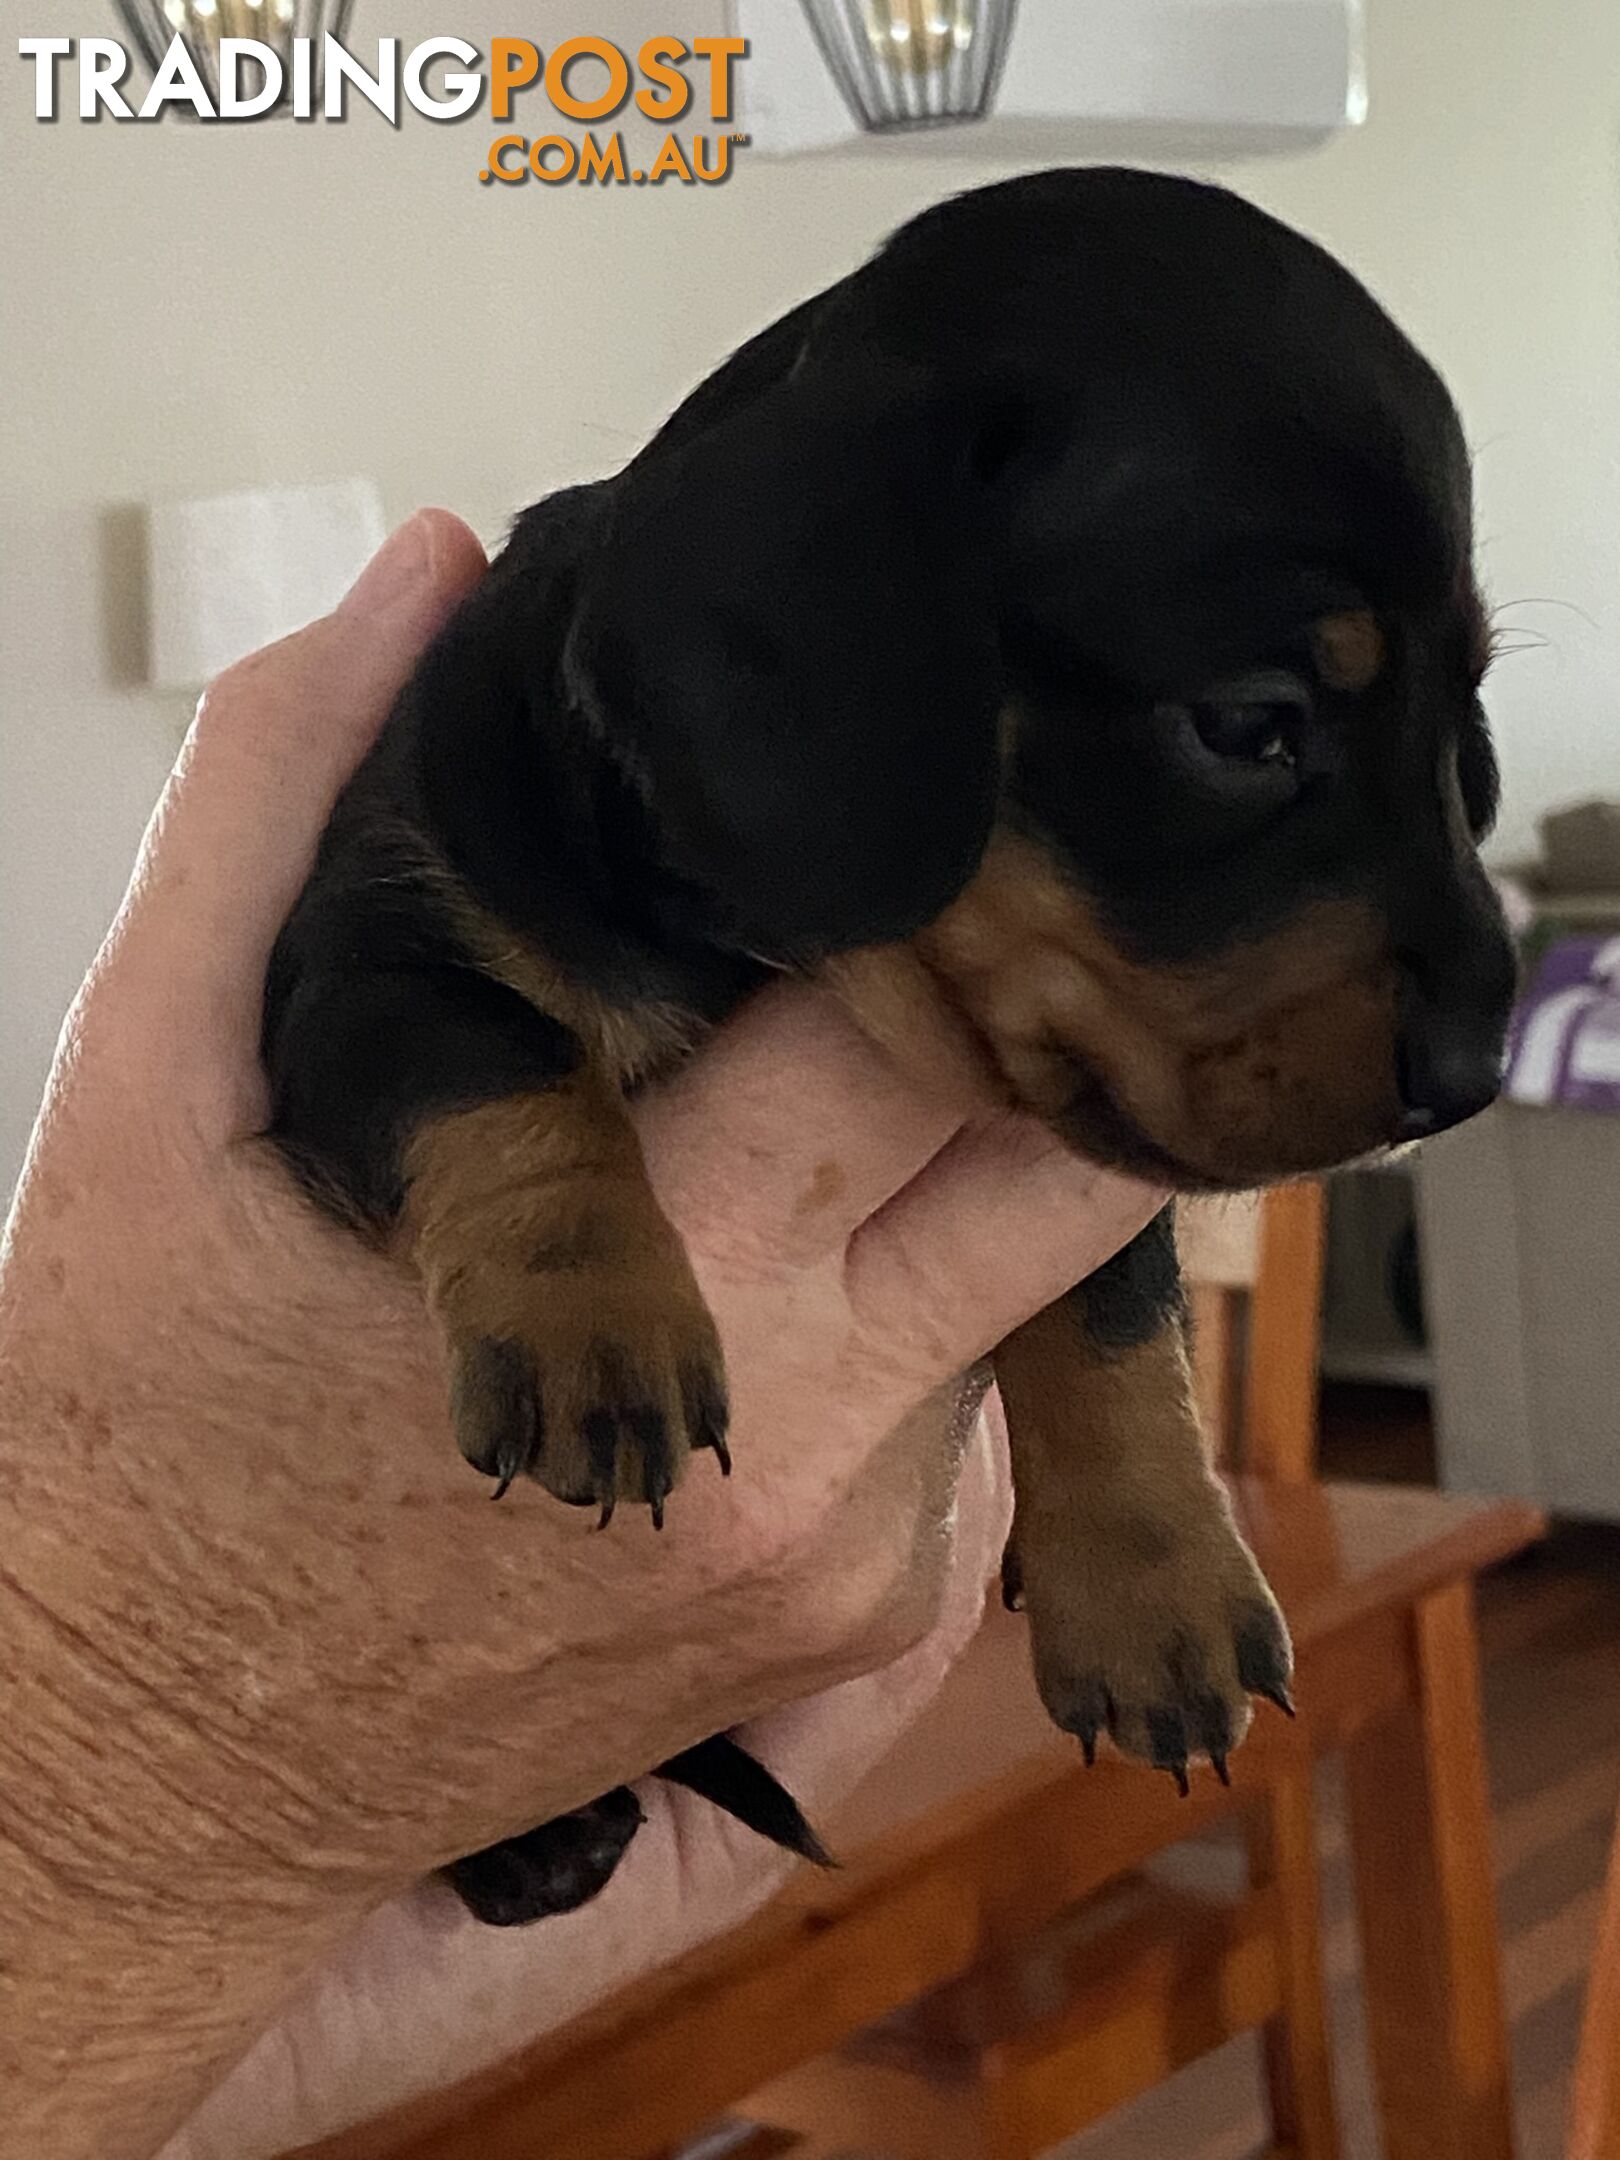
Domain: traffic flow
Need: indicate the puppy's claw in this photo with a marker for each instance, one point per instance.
(494, 1399)
(707, 1413)
(1012, 1581)
(601, 1435)
(1265, 1659)
(649, 1436)
(1167, 1743)
(1085, 1709)
(1218, 1763)
(1183, 1782)
(499, 1417)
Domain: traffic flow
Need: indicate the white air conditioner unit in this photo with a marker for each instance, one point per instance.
(1144, 78)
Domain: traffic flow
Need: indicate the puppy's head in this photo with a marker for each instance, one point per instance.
(1082, 590)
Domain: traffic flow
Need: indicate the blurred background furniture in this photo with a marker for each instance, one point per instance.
(1520, 1214)
(1485, 1270)
(992, 1968)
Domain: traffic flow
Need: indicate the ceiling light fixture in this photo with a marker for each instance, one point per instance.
(913, 63)
(153, 25)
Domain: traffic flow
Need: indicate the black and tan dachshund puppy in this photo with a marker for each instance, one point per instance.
(1061, 637)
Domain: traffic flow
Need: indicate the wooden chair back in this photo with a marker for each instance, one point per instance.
(1253, 1266)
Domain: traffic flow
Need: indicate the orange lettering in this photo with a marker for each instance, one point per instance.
(512, 63)
(720, 164)
(670, 159)
(538, 150)
(720, 52)
(601, 162)
(655, 58)
(593, 48)
(497, 170)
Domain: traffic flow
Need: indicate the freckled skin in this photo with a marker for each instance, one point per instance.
(824, 1188)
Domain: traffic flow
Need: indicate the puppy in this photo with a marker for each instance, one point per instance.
(1060, 636)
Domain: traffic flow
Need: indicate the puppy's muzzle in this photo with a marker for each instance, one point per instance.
(1449, 1054)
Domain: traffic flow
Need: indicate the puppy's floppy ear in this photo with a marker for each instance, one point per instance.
(786, 639)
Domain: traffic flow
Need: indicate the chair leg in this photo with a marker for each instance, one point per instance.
(1426, 1890)
(1596, 2131)
(1297, 2046)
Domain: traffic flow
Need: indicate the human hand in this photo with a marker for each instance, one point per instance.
(273, 1655)
(421, 1997)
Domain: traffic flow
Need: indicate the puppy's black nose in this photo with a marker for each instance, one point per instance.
(1445, 1074)
(1457, 977)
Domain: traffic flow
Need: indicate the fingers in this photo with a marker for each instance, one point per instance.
(235, 833)
(999, 1224)
(787, 1133)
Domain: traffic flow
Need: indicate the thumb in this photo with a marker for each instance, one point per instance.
(234, 834)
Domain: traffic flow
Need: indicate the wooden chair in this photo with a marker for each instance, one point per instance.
(1596, 2130)
(990, 1971)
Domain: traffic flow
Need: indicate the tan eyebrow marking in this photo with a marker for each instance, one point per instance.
(1349, 650)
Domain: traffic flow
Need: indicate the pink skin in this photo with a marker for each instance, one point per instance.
(271, 1656)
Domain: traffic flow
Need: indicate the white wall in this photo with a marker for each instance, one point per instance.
(188, 309)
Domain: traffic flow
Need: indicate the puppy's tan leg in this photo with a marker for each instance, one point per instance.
(582, 1353)
(1149, 1617)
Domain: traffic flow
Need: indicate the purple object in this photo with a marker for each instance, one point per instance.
(1564, 1048)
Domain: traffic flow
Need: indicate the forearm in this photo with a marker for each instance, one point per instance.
(183, 1842)
(151, 1928)
(121, 2008)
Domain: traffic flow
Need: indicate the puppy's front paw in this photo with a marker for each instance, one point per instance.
(581, 1351)
(1157, 1633)
(598, 1386)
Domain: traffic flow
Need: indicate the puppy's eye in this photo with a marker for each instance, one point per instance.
(1242, 744)
(1255, 720)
